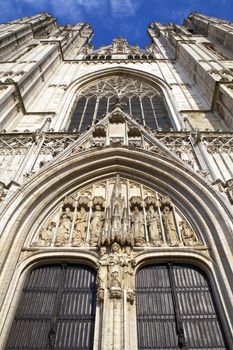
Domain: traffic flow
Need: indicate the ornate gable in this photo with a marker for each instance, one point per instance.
(119, 129)
(119, 49)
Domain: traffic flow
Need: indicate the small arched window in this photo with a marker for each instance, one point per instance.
(142, 101)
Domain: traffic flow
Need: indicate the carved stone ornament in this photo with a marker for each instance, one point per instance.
(45, 235)
(3, 191)
(99, 131)
(116, 272)
(117, 118)
(121, 211)
(134, 131)
(64, 228)
(188, 236)
(169, 226)
(154, 226)
(97, 221)
(137, 226)
(80, 228)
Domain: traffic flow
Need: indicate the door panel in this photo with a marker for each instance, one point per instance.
(56, 310)
(175, 309)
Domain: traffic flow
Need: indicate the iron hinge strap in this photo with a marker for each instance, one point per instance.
(179, 323)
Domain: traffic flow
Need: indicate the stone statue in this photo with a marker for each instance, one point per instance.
(115, 258)
(169, 226)
(64, 228)
(81, 222)
(128, 267)
(128, 273)
(188, 236)
(102, 275)
(96, 224)
(153, 226)
(45, 236)
(77, 240)
(137, 227)
(115, 271)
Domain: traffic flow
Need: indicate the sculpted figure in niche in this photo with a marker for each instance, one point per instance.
(81, 222)
(115, 280)
(128, 273)
(188, 236)
(153, 226)
(77, 240)
(96, 224)
(45, 236)
(137, 226)
(115, 260)
(64, 228)
(128, 267)
(169, 226)
(102, 275)
(115, 272)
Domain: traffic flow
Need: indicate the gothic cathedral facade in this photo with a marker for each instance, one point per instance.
(116, 187)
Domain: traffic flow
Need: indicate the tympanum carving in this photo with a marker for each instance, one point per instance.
(64, 228)
(169, 226)
(188, 235)
(45, 235)
(118, 210)
(154, 226)
(96, 225)
(137, 226)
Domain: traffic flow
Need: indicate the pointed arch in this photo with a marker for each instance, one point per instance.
(68, 101)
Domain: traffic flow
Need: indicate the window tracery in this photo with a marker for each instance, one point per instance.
(139, 99)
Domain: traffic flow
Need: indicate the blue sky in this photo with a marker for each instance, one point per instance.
(110, 18)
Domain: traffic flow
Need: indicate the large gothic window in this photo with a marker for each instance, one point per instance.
(175, 309)
(142, 101)
(56, 310)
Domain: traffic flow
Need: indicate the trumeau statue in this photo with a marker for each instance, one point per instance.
(116, 272)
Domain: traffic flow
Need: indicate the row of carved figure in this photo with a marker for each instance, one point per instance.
(161, 228)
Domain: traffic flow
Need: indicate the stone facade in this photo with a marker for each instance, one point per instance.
(117, 194)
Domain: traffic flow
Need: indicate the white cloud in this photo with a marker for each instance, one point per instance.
(73, 8)
(70, 11)
(124, 8)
